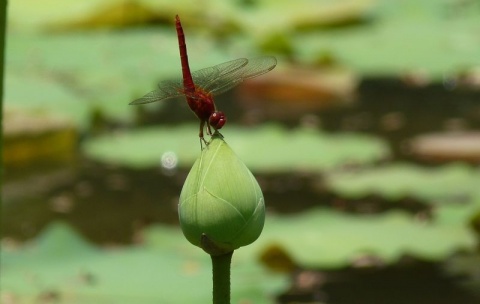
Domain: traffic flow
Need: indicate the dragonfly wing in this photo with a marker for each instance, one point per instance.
(166, 89)
(255, 67)
(204, 77)
(223, 86)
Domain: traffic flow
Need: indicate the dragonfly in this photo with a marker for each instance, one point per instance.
(201, 86)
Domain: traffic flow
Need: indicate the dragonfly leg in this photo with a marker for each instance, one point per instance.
(209, 129)
(202, 125)
(200, 135)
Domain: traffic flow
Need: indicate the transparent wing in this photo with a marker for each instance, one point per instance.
(169, 89)
(254, 68)
(166, 89)
(204, 77)
(216, 79)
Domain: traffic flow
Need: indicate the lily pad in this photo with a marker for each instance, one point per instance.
(322, 238)
(28, 14)
(449, 183)
(287, 16)
(61, 265)
(325, 238)
(436, 38)
(267, 148)
(78, 73)
(447, 27)
(444, 147)
(292, 92)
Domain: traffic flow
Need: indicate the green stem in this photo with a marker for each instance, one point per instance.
(3, 22)
(221, 278)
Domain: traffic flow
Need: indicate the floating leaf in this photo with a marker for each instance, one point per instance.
(324, 238)
(62, 266)
(261, 148)
(447, 147)
(419, 24)
(60, 263)
(80, 72)
(449, 183)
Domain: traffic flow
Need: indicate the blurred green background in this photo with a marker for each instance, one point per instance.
(365, 140)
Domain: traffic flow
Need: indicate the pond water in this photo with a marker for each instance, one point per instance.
(111, 205)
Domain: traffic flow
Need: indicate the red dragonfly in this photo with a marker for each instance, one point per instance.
(200, 86)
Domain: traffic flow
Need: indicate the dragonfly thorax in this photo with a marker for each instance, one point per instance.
(201, 103)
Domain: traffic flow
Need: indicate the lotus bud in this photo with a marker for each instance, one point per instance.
(221, 204)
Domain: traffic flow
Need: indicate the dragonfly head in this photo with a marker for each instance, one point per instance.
(217, 120)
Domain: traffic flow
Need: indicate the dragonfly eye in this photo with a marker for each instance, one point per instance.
(217, 120)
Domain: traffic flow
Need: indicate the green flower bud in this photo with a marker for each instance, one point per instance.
(221, 205)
